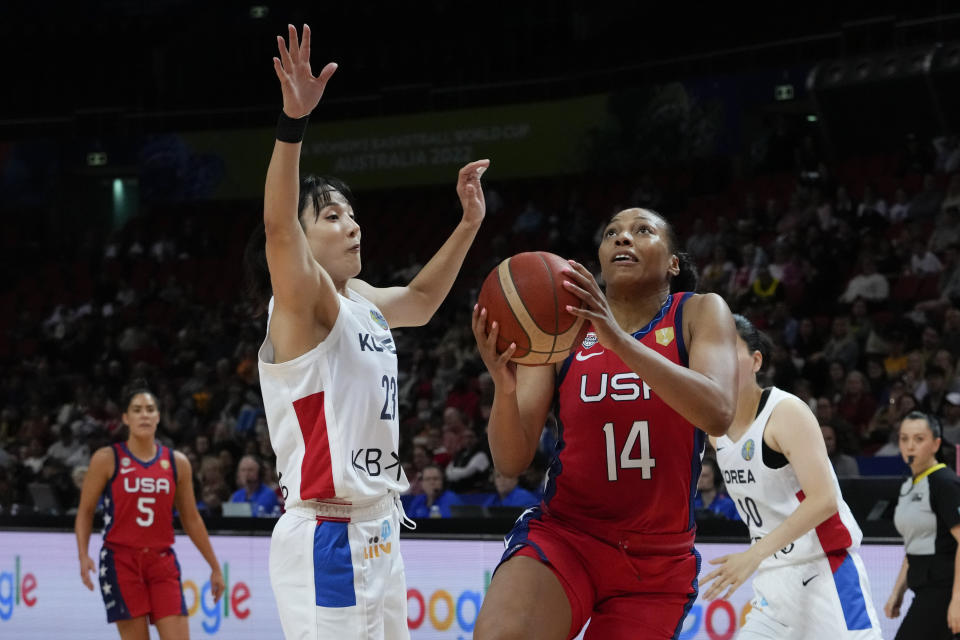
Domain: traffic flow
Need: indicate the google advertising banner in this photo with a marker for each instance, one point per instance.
(41, 595)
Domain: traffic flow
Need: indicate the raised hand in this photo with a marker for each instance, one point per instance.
(597, 311)
(502, 371)
(301, 90)
(470, 191)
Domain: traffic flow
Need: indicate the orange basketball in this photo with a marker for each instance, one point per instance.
(525, 295)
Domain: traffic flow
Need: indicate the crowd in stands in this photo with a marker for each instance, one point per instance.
(852, 267)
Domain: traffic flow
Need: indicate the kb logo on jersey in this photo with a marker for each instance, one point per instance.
(369, 343)
(146, 485)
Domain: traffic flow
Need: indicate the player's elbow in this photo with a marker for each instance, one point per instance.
(827, 506)
(719, 421)
(511, 466)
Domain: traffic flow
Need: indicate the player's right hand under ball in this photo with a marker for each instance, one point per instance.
(502, 371)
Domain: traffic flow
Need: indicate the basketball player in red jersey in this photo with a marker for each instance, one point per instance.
(612, 541)
(141, 482)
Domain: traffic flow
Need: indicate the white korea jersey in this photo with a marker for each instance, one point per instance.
(332, 412)
(765, 496)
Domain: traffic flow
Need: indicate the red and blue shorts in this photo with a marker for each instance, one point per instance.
(138, 581)
(644, 582)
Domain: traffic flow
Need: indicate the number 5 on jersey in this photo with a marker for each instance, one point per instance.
(640, 430)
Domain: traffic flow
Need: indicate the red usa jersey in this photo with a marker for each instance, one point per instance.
(624, 459)
(138, 500)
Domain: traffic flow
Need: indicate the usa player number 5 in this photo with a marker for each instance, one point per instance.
(143, 506)
(639, 431)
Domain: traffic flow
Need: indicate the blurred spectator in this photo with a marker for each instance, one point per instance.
(947, 230)
(763, 293)
(842, 346)
(923, 261)
(844, 207)
(845, 466)
(262, 499)
(868, 284)
(67, 449)
(951, 418)
(882, 430)
(716, 274)
(948, 154)
(509, 494)
(421, 458)
(33, 456)
(468, 469)
(434, 502)
(709, 496)
(934, 391)
(900, 209)
(857, 404)
(873, 209)
(926, 203)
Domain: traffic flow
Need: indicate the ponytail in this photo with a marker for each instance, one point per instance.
(256, 287)
(688, 278)
(316, 192)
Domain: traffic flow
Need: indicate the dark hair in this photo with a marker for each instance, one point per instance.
(929, 418)
(316, 191)
(133, 389)
(709, 461)
(688, 277)
(756, 340)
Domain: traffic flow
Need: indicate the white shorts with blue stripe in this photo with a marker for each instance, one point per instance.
(336, 572)
(823, 598)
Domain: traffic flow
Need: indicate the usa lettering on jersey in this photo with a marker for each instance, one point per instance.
(625, 386)
(146, 485)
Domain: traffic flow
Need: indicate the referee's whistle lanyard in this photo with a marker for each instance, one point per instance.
(923, 475)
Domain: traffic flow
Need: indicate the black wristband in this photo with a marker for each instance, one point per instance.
(291, 129)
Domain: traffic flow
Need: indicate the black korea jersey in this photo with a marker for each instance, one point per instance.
(928, 507)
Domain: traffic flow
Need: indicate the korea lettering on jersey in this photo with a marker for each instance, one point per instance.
(765, 497)
(332, 412)
(138, 500)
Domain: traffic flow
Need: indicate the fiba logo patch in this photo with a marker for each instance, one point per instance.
(589, 340)
(749, 448)
(385, 530)
(164, 464)
(377, 317)
(125, 462)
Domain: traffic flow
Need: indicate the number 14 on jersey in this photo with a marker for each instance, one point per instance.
(639, 431)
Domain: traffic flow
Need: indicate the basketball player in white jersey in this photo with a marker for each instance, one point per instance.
(328, 372)
(810, 581)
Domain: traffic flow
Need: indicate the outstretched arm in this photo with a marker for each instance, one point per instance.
(414, 304)
(303, 291)
(792, 430)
